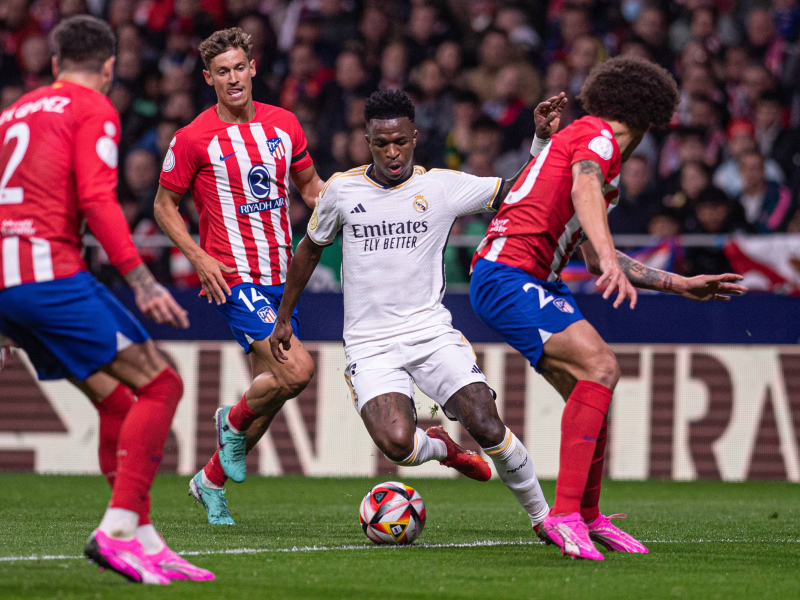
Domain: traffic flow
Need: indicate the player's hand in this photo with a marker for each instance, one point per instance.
(210, 271)
(281, 336)
(705, 288)
(612, 278)
(159, 306)
(547, 115)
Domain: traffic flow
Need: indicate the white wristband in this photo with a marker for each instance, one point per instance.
(538, 145)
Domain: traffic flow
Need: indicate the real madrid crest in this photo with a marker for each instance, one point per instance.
(420, 204)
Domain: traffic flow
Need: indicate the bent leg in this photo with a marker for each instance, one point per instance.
(579, 355)
(273, 384)
(474, 407)
(143, 432)
(391, 423)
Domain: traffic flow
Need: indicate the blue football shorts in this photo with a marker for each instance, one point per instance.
(69, 327)
(524, 310)
(251, 311)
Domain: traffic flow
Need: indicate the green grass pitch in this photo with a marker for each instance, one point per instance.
(707, 540)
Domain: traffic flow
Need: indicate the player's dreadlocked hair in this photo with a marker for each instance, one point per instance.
(631, 91)
(389, 104)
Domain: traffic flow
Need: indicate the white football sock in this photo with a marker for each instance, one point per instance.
(425, 449)
(149, 539)
(207, 482)
(119, 523)
(515, 468)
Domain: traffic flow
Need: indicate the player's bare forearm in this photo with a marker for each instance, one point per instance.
(304, 262)
(590, 207)
(701, 288)
(647, 278)
(309, 185)
(172, 224)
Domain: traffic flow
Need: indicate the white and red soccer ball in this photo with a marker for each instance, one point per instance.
(392, 513)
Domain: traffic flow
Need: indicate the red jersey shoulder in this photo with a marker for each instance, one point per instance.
(281, 117)
(593, 134)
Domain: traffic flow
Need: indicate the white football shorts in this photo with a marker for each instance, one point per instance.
(440, 365)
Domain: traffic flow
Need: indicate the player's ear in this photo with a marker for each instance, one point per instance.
(54, 67)
(207, 77)
(414, 139)
(108, 68)
(252, 67)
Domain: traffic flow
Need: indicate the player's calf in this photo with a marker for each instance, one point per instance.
(474, 407)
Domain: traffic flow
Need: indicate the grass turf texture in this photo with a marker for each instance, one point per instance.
(707, 540)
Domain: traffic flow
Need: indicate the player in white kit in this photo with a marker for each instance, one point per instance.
(396, 219)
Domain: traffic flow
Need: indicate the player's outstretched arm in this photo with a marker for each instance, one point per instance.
(303, 264)
(154, 300)
(701, 288)
(546, 116)
(590, 207)
(208, 269)
(309, 185)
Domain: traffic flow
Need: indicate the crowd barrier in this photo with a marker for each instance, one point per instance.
(683, 412)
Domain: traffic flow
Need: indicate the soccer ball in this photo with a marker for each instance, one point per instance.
(392, 513)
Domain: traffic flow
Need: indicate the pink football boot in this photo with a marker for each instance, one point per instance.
(571, 534)
(172, 566)
(126, 557)
(612, 538)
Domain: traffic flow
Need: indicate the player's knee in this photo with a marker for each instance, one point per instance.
(297, 375)
(605, 369)
(489, 432)
(396, 442)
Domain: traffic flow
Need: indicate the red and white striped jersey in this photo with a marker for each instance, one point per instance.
(58, 165)
(536, 228)
(238, 175)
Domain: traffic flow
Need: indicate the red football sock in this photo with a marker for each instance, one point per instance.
(240, 416)
(214, 471)
(144, 512)
(581, 422)
(141, 441)
(112, 411)
(590, 502)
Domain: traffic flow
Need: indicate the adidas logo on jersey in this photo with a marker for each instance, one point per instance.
(358, 209)
(475, 369)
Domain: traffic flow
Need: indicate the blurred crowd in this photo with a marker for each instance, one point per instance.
(730, 161)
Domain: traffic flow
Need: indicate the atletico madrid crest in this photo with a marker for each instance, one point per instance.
(276, 148)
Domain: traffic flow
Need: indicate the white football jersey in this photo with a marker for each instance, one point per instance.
(393, 247)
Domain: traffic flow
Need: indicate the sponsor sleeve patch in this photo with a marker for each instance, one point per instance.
(602, 146)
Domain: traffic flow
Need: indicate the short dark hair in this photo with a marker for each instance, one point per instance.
(632, 91)
(223, 40)
(388, 104)
(83, 43)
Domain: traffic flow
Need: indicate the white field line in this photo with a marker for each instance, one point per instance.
(479, 544)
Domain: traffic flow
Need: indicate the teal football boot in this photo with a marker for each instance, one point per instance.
(232, 447)
(213, 500)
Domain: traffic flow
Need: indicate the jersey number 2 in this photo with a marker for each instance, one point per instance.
(22, 133)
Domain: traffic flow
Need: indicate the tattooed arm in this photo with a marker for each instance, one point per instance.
(154, 300)
(701, 288)
(590, 208)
